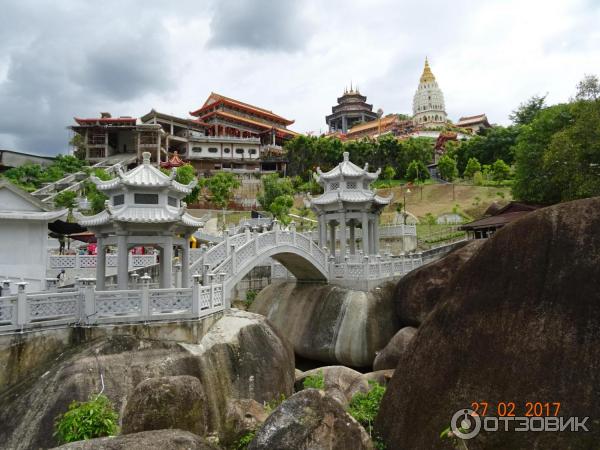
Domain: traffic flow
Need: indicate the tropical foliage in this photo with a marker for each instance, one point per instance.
(87, 420)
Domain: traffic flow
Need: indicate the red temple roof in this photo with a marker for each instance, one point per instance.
(175, 161)
(216, 99)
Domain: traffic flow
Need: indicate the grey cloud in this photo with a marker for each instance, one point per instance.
(259, 25)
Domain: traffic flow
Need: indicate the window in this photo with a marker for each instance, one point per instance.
(146, 199)
(197, 149)
(173, 202)
(118, 199)
(351, 184)
(226, 150)
(239, 151)
(334, 186)
(213, 150)
(252, 151)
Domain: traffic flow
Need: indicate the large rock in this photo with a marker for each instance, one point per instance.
(241, 417)
(166, 402)
(329, 323)
(519, 322)
(418, 292)
(311, 420)
(146, 440)
(340, 383)
(389, 356)
(241, 356)
(381, 377)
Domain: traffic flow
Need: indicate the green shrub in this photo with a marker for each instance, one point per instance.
(243, 442)
(87, 420)
(250, 296)
(314, 381)
(270, 406)
(365, 406)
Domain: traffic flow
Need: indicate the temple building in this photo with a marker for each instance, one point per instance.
(224, 134)
(351, 109)
(428, 103)
(391, 124)
(474, 123)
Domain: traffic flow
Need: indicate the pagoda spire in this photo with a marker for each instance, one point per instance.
(427, 76)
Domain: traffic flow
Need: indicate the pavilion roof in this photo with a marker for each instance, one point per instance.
(144, 175)
(347, 169)
(175, 161)
(350, 196)
(215, 99)
(132, 214)
(264, 126)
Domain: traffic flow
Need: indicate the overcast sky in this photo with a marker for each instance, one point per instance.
(65, 58)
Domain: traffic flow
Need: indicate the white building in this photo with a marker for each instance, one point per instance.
(429, 109)
(24, 236)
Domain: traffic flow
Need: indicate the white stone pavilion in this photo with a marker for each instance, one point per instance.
(348, 203)
(145, 208)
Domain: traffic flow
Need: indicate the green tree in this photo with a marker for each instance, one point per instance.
(218, 189)
(588, 88)
(280, 208)
(417, 171)
(185, 175)
(65, 199)
(272, 187)
(389, 173)
(78, 143)
(447, 168)
(527, 112)
(500, 170)
(473, 166)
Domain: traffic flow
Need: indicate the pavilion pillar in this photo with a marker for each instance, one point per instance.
(166, 275)
(342, 235)
(100, 264)
(344, 124)
(158, 151)
(376, 235)
(332, 237)
(371, 250)
(365, 233)
(322, 231)
(352, 238)
(122, 262)
(185, 262)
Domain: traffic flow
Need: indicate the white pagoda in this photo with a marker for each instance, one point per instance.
(145, 208)
(347, 203)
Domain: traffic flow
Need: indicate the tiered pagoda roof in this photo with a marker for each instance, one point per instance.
(143, 180)
(350, 183)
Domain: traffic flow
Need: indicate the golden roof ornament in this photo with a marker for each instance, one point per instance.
(427, 76)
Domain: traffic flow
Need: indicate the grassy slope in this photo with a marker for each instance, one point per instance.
(438, 199)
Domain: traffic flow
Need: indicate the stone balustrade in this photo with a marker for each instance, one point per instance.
(87, 306)
(89, 261)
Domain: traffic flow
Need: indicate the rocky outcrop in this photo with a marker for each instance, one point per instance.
(241, 417)
(311, 420)
(241, 356)
(146, 440)
(341, 383)
(328, 323)
(418, 292)
(166, 402)
(381, 377)
(519, 322)
(388, 357)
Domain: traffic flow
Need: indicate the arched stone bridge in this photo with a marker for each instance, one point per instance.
(231, 260)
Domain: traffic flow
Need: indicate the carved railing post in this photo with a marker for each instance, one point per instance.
(233, 259)
(178, 280)
(293, 230)
(276, 230)
(6, 287)
(365, 261)
(88, 295)
(212, 290)
(52, 284)
(196, 291)
(135, 280)
(227, 246)
(145, 309)
(205, 269)
(22, 310)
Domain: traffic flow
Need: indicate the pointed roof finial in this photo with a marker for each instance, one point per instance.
(427, 75)
(350, 85)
